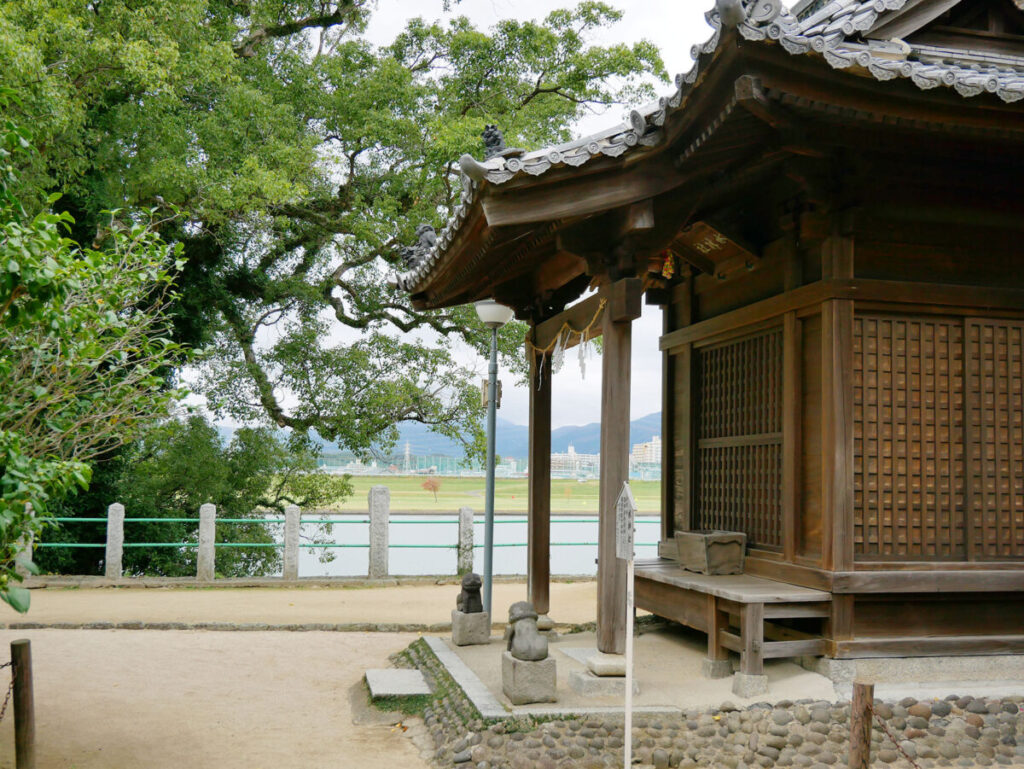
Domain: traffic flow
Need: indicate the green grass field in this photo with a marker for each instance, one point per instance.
(567, 496)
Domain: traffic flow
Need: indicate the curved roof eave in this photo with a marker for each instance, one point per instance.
(827, 32)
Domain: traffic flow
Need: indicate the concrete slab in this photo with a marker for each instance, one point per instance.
(396, 682)
(588, 684)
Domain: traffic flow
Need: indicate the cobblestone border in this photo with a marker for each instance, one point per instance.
(957, 731)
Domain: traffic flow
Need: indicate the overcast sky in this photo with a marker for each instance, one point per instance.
(674, 26)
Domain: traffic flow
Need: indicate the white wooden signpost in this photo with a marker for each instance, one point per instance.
(625, 517)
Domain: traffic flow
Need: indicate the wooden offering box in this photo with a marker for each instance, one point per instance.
(711, 552)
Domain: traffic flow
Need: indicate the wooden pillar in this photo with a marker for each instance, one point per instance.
(538, 542)
(837, 410)
(792, 449)
(668, 507)
(617, 325)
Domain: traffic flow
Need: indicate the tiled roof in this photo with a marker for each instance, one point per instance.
(837, 30)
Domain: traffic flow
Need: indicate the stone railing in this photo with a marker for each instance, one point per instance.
(379, 505)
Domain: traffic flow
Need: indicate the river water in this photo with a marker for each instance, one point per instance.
(412, 537)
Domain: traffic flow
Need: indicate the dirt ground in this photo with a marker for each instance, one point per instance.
(573, 602)
(130, 699)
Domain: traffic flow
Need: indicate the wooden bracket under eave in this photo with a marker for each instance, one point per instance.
(625, 299)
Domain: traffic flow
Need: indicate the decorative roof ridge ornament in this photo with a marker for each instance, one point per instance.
(494, 149)
(732, 13)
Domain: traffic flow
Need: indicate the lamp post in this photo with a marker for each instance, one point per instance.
(494, 316)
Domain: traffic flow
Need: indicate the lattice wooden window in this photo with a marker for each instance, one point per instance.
(739, 431)
(995, 436)
(908, 379)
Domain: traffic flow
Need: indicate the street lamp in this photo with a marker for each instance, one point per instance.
(494, 316)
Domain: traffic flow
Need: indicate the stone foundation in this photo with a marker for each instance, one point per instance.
(470, 629)
(525, 682)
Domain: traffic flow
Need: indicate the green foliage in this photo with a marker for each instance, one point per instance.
(302, 158)
(179, 465)
(82, 348)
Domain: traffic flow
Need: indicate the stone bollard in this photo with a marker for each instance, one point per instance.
(379, 501)
(465, 563)
(207, 534)
(113, 568)
(25, 545)
(291, 542)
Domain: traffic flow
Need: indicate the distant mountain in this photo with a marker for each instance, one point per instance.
(512, 440)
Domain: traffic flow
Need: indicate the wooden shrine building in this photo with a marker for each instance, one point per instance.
(829, 209)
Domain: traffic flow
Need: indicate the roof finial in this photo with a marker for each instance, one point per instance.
(494, 141)
(731, 12)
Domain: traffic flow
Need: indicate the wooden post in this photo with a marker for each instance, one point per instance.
(837, 434)
(717, 664)
(861, 714)
(792, 450)
(752, 633)
(668, 384)
(624, 301)
(538, 539)
(24, 705)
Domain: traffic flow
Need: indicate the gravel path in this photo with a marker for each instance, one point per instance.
(423, 604)
(165, 700)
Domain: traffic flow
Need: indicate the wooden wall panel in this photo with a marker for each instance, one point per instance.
(920, 615)
(908, 438)
(995, 434)
(739, 430)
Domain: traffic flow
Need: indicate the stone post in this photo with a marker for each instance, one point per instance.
(115, 541)
(379, 501)
(25, 544)
(207, 535)
(465, 564)
(291, 542)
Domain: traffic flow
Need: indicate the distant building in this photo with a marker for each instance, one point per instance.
(646, 453)
(573, 465)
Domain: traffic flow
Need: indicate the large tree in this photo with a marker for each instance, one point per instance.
(302, 157)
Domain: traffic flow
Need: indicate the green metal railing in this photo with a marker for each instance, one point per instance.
(319, 521)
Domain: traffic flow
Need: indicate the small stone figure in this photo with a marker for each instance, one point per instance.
(494, 141)
(469, 601)
(524, 640)
(426, 238)
(410, 256)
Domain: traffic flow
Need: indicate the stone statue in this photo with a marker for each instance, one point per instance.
(494, 141)
(469, 601)
(410, 256)
(426, 238)
(524, 640)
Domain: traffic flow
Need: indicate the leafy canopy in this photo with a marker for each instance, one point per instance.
(303, 157)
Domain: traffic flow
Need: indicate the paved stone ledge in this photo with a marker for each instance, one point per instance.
(486, 704)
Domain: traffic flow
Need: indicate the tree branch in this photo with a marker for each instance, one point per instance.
(247, 48)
